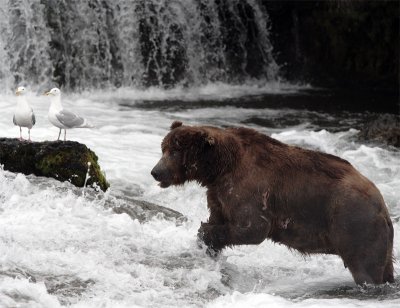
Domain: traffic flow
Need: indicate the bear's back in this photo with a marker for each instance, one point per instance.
(267, 150)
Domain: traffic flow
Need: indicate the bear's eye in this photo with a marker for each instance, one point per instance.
(175, 153)
(177, 142)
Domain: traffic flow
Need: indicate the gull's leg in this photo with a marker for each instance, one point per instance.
(65, 135)
(29, 132)
(59, 134)
(20, 134)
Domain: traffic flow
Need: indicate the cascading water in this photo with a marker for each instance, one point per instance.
(105, 43)
(23, 43)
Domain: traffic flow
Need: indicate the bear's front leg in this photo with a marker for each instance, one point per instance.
(213, 236)
(215, 209)
(216, 237)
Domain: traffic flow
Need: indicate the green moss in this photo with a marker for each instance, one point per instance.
(70, 163)
(96, 175)
(64, 161)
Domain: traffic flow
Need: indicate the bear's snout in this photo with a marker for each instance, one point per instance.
(161, 174)
(157, 173)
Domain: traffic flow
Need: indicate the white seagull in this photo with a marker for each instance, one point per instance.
(23, 115)
(62, 118)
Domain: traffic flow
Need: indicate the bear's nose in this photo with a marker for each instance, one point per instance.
(156, 174)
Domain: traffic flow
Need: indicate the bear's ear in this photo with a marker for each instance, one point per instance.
(208, 137)
(210, 140)
(176, 124)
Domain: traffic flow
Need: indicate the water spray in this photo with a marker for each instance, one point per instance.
(87, 177)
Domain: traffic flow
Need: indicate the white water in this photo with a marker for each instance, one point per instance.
(58, 247)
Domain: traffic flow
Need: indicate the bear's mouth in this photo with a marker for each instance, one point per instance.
(163, 184)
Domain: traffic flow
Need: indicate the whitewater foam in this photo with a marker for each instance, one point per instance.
(59, 247)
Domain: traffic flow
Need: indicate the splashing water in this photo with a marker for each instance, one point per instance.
(59, 248)
(87, 177)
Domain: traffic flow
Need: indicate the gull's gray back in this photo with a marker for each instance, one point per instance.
(69, 119)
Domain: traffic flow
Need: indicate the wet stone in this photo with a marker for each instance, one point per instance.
(365, 292)
(384, 129)
(144, 211)
(63, 161)
(67, 288)
(18, 273)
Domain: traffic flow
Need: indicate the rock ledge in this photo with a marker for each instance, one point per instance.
(63, 161)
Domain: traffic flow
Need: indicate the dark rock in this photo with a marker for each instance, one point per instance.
(383, 129)
(116, 200)
(18, 273)
(63, 161)
(126, 201)
(144, 211)
(66, 287)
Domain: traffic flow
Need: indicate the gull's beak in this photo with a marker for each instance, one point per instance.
(47, 93)
(18, 92)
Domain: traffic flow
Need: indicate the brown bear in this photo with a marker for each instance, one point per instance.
(259, 187)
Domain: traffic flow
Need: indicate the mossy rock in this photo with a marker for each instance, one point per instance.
(64, 161)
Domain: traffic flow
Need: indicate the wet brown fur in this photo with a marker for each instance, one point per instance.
(259, 188)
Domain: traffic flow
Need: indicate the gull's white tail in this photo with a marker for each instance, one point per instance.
(86, 124)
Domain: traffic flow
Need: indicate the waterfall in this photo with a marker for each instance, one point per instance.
(24, 41)
(78, 44)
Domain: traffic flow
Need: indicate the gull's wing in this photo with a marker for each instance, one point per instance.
(69, 119)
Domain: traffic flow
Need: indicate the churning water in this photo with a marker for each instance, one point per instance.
(60, 247)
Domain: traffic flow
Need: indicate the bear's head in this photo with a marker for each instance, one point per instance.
(190, 153)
